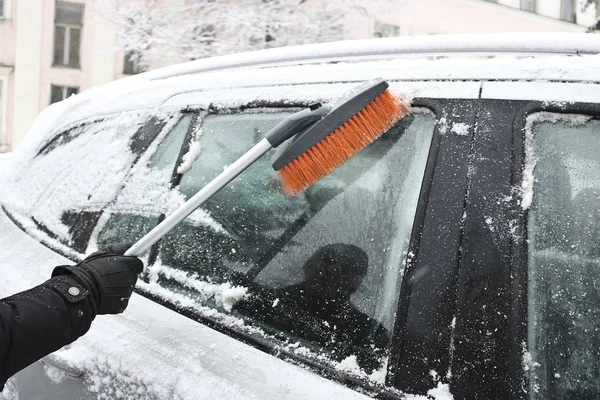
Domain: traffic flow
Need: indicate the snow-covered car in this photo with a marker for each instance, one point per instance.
(475, 223)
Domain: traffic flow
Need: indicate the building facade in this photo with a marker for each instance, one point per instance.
(48, 51)
(51, 49)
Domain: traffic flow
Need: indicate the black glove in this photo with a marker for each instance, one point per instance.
(108, 275)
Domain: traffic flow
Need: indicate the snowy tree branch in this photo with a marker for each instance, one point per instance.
(151, 30)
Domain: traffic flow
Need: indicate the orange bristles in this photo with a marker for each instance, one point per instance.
(341, 144)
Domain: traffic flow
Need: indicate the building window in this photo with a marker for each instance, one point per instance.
(567, 10)
(59, 93)
(528, 5)
(5, 9)
(385, 30)
(68, 22)
(132, 64)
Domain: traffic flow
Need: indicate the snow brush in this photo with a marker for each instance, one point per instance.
(311, 144)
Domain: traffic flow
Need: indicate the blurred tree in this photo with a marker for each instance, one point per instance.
(584, 4)
(151, 30)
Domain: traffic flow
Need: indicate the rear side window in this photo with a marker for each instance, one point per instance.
(563, 234)
(321, 270)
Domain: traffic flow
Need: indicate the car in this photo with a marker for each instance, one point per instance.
(464, 239)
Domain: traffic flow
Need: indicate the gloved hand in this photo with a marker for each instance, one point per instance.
(108, 275)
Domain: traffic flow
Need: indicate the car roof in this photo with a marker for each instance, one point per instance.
(523, 44)
(428, 66)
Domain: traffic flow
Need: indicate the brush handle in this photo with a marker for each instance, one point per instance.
(295, 123)
(199, 198)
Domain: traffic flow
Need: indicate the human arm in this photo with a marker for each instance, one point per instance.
(47, 317)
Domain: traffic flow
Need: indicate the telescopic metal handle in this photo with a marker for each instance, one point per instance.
(199, 198)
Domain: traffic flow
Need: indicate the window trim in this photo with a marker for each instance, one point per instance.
(519, 248)
(485, 275)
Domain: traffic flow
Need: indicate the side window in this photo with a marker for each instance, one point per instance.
(320, 270)
(563, 232)
(146, 191)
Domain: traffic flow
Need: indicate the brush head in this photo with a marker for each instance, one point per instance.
(353, 123)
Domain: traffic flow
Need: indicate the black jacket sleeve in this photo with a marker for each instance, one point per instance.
(41, 320)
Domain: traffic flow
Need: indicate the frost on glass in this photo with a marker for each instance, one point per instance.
(321, 269)
(564, 258)
(146, 190)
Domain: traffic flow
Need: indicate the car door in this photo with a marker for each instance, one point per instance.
(250, 251)
(233, 264)
(527, 306)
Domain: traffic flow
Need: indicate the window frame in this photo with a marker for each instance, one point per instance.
(66, 46)
(486, 360)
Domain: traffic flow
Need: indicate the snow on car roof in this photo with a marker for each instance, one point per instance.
(504, 43)
(426, 76)
(125, 94)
